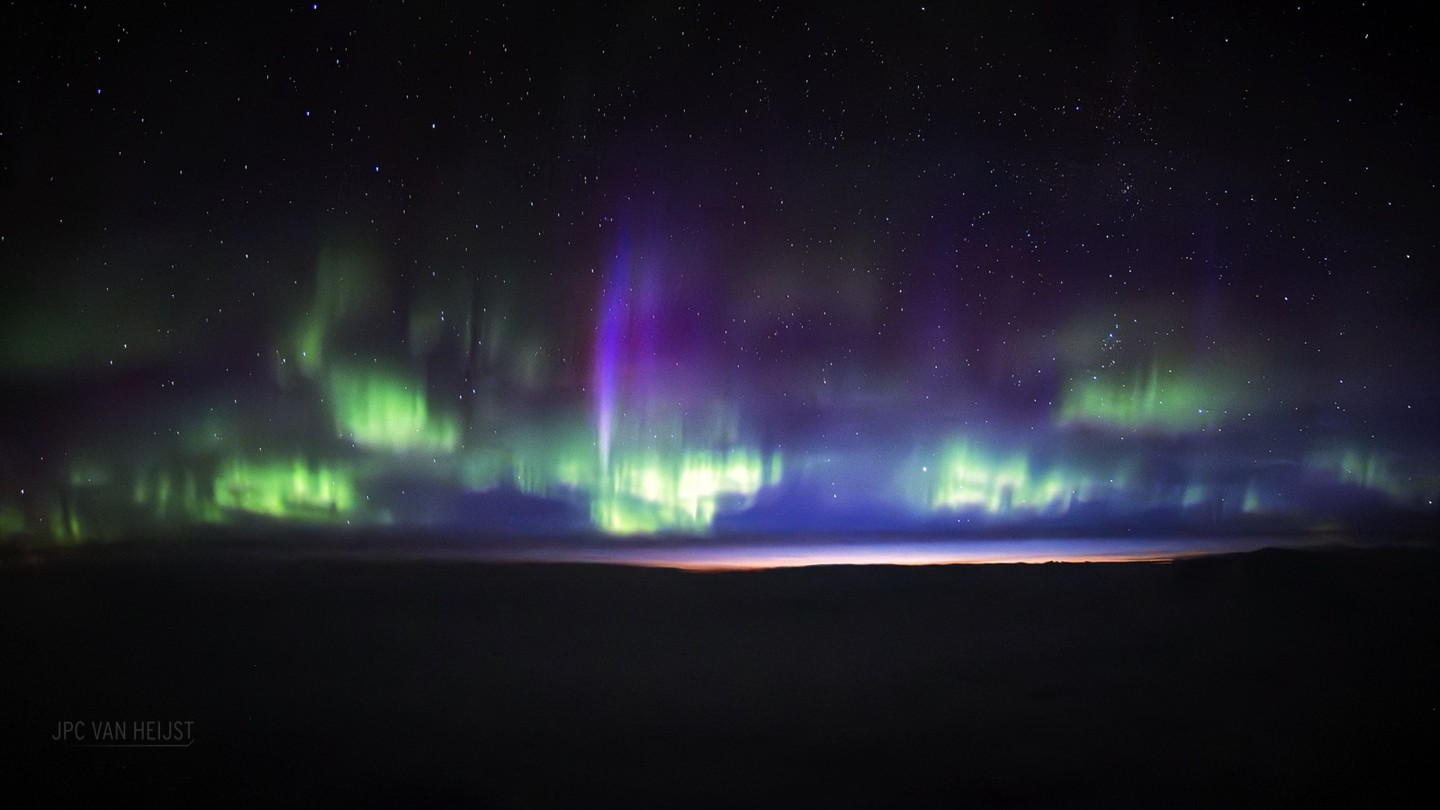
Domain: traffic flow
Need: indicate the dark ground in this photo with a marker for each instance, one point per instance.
(1293, 678)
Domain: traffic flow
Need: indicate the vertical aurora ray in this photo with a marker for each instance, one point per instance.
(665, 461)
(611, 332)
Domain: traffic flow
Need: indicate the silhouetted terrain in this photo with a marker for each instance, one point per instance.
(1298, 677)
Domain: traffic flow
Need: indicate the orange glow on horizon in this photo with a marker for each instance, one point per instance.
(717, 558)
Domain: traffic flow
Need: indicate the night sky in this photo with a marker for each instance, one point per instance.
(737, 267)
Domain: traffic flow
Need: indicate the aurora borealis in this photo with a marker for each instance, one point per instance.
(749, 403)
(692, 270)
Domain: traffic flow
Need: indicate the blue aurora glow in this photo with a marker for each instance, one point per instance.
(672, 436)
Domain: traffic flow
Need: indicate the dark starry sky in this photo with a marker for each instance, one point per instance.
(963, 205)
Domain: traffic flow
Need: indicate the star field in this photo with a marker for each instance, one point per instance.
(688, 267)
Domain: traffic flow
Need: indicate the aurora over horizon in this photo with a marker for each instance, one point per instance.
(832, 274)
(767, 403)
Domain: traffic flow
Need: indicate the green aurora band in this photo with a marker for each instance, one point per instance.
(389, 411)
(1151, 399)
(356, 420)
